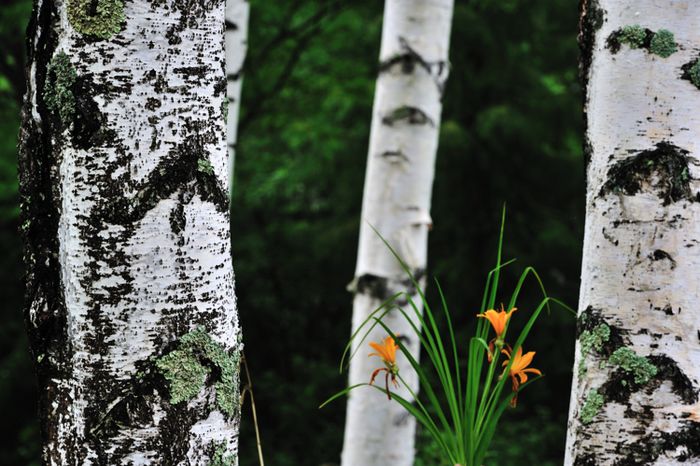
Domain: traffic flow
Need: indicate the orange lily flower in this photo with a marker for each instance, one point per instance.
(387, 352)
(498, 320)
(519, 369)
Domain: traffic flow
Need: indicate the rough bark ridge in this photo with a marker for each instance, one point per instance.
(398, 185)
(636, 381)
(123, 172)
(236, 47)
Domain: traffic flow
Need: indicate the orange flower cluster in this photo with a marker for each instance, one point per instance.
(499, 321)
(520, 366)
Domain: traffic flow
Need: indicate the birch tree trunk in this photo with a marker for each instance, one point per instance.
(396, 201)
(130, 296)
(637, 373)
(236, 47)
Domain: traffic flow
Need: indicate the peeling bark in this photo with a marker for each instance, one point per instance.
(635, 393)
(123, 176)
(398, 184)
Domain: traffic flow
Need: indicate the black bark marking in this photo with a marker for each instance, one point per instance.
(180, 170)
(664, 169)
(382, 288)
(411, 115)
(231, 26)
(660, 254)
(373, 285)
(621, 384)
(681, 384)
(587, 459)
(88, 122)
(395, 156)
(649, 448)
(409, 60)
(152, 103)
(196, 72)
(619, 387)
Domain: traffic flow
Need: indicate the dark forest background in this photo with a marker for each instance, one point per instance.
(511, 133)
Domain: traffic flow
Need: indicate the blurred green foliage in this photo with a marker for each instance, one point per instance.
(511, 133)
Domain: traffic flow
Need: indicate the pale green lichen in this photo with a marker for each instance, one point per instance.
(582, 368)
(224, 109)
(220, 457)
(631, 362)
(58, 88)
(591, 407)
(633, 36)
(663, 43)
(694, 73)
(594, 339)
(205, 166)
(185, 373)
(187, 370)
(102, 19)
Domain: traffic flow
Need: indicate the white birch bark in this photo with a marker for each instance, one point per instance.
(637, 374)
(396, 201)
(236, 47)
(131, 309)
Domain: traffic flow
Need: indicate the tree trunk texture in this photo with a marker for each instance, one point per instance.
(130, 294)
(398, 184)
(637, 373)
(236, 47)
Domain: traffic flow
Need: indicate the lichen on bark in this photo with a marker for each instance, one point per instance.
(594, 339)
(691, 72)
(594, 402)
(98, 18)
(187, 369)
(220, 458)
(58, 88)
(631, 362)
(661, 42)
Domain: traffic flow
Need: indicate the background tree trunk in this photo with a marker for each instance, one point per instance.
(636, 379)
(396, 201)
(236, 47)
(130, 295)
